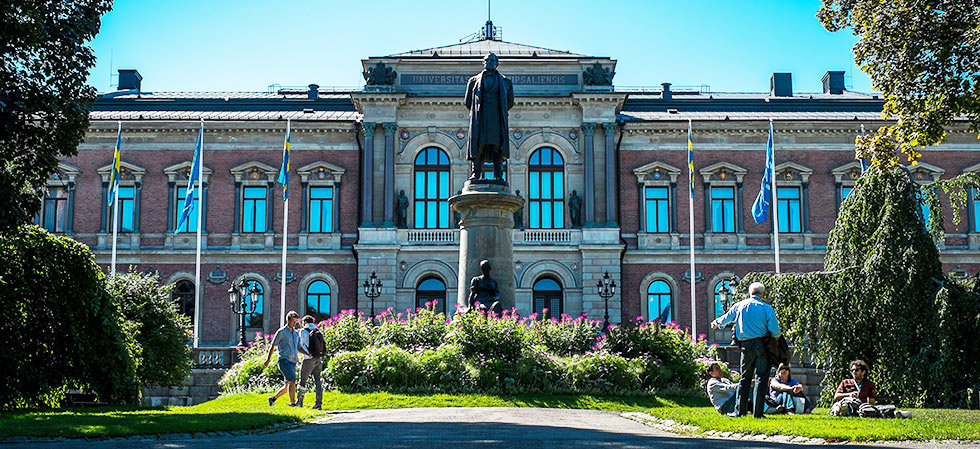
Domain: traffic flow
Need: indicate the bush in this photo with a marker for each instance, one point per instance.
(349, 371)
(486, 335)
(160, 330)
(63, 330)
(669, 356)
(444, 368)
(423, 329)
(393, 367)
(604, 372)
(345, 331)
(249, 374)
(567, 337)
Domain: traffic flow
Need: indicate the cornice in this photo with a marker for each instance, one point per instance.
(178, 127)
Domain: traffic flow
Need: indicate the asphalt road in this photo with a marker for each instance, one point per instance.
(454, 428)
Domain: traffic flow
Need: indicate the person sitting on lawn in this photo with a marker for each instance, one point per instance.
(788, 392)
(287, 341)
(721, 390)
(856, 396)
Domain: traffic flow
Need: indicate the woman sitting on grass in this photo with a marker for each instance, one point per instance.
(788, 392)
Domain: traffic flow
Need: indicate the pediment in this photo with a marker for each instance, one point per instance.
(848, 172)
(791, 171)
(722, 171)
(923, 172)
(182, 171)
(64, 173)
(254, 171)
(656, 171)
(321, 171)
(127, 171)
(972, 169)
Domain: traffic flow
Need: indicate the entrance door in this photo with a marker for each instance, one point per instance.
(547, 294)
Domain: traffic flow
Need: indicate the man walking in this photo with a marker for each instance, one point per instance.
(287, 341)
(753, 319)
(312, 346)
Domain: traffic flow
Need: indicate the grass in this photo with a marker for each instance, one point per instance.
(251, 411)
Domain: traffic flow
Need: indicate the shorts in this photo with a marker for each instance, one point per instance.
(288, 369)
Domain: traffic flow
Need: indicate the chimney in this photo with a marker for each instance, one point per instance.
(781, 85)
(129, 79)
(314, 91)
(833, 82)
(667, 94)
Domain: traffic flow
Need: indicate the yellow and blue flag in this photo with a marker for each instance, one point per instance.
(284, 169)
(114, 175)
(690, 158)
(760, 208)
(192, 180)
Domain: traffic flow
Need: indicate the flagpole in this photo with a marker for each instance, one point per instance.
(285, 232)
(115, 204)
(775, 197)
(199, 294)
(690, 222)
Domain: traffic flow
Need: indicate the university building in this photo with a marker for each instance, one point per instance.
(603, 170)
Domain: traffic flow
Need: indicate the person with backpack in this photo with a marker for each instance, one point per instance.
(856, 396)
(312, 346)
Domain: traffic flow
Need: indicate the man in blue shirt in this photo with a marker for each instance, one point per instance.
(753, 319)
(287, 341)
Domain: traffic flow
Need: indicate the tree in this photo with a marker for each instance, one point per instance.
(44, 101)
(924, 56)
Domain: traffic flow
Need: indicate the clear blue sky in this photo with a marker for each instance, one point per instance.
(245, 45)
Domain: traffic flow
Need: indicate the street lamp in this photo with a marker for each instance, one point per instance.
(606, 288)
(244, 299)
(727, 292)
(372, 289)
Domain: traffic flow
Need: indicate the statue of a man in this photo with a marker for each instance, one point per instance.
(519, 214)
(483, 289)
(402, 206)
(489, 95)
(575, 208)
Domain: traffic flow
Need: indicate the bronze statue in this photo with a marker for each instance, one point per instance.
(575, 209)
(489, 95)
(483, 289)
(402, 205)
(519, 215)
(457, 217)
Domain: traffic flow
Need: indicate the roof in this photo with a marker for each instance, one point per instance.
(477, 49)
(749, 115)
(225, 115)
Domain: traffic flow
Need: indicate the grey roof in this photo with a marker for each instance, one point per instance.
(218, 95)
(225, 115)
(750, 115)
(687, 95)
(477, 49)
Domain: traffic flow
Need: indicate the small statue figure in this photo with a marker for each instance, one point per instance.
(519, 214)
(457, 217)
(575, 209)
(489, 95)
(380, 75)
(483, 289)
(597, 75)
(402, 206)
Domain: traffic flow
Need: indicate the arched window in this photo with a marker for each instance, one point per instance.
(432, 189)
(546, 189)
(547, 294)
(318, 300)
(658, 301)
(183, 296)
(429, 290)
(254, 320)
(719, 309)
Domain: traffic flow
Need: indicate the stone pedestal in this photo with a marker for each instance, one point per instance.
(485, 232)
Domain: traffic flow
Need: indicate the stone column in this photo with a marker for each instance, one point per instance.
(486, 228)
(390, 129)
(588, 132)
(609, 131)
(367, 179)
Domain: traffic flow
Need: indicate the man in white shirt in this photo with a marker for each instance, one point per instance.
(721, 391)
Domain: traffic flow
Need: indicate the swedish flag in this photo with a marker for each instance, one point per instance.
(690, 158)
(114, 176)
(284, 169)
(192, 181)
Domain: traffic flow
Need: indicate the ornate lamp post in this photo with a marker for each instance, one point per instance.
(244, 299)
(727, 293)
(606, 288)
(372, 289)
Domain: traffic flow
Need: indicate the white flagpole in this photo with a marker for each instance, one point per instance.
(690, 222)
(775, 198)
(199, 294)
(285, 232)
(115, 207)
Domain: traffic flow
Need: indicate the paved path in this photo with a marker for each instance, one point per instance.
(455, 428)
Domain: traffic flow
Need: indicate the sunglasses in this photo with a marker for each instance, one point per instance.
(854, 370)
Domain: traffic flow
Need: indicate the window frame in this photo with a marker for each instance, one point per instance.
(670, 300)
(129, 176)
(320, 174)
(177, 178)
(319, 314)
(421, 298)
(442, 175)
(723, 174)
(255, 201)
(560, 295)
(794, 176)
(254, 174)
(553, 203)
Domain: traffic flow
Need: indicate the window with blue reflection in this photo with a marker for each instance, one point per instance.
(255, 319)
(318, 300)
(976, 210)
(432, 291)
(845, 191)
(321, 209)
(190, 225)
(923, 207)
(253, 209)
(546, 189)
(722, 209)
(790, 212)
(657, 205)
(719, 308)
(55, 212)
(658, 301)
(127, 209)
(432, 189)
(547, 297)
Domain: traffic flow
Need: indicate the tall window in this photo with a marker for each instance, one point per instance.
(657, 209)
(658, 301)
(253, 209)
(255, 319)
(976, 210)
(432, 189)
(923, 207)
(127, 209)
(547, 294)
(722, 209)
(788, 202)
(190, 225)
(183, 297)
(318, 300)
(546, 189)
(719, 308)
(432, 290)
(321, 209)
(55, 213)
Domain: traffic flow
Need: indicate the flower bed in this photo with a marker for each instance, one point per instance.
(485, 352)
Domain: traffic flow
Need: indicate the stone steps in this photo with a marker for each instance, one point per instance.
(200, 386)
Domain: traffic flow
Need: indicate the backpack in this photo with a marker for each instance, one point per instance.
(846, 407)
(318, 346)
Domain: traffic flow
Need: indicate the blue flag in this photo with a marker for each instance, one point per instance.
(284, 169)
(760, 208)
(192, 181)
